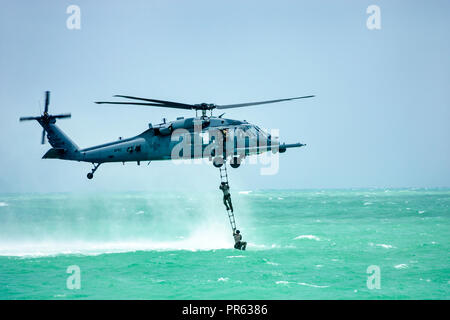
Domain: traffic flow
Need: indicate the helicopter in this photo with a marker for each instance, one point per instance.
(204, 136)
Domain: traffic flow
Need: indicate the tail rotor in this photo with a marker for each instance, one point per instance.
(46, 118)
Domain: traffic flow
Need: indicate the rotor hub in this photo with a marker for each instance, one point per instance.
(204, 106)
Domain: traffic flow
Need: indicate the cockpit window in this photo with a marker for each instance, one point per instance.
(246, 130)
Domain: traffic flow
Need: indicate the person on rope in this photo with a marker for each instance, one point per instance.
(226, 195)
(238, 244)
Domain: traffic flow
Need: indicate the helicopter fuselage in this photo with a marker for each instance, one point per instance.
(197, 134)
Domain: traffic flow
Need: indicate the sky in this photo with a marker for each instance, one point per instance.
(379, 119)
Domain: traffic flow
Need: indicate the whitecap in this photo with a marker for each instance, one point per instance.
(311, 285)
(157, 280)
(386, 246)
(244, 192)
(271, 263)
(223, 279)
(231, 257)
(280, 198)
(140, 212)
(281, 282)
(421, 211)
(3, 204)
(367, 203)
(307, 236)
(401, 266)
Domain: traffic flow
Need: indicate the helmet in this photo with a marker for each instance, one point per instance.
(237, 231)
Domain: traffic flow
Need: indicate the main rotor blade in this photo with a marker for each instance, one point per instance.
(28, 118)
(43, 137)
(47, 101)
(183, 105)
(146, 104)
(228, 106)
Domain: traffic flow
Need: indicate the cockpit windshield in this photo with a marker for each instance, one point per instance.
(250, 131)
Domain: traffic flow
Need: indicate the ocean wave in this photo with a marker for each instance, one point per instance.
(301, 284)
(401, 266)
(311, 285)
(88, 248)
(223, 279)
(270, 262)
(382, 245)
(97, 248)
(3, 204)
(307, 236)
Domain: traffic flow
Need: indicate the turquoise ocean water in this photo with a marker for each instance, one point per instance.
(302, 245)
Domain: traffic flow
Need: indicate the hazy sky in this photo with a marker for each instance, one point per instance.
(380, 118)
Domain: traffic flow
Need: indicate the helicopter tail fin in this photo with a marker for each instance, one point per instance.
(63, 146)
(58, 139)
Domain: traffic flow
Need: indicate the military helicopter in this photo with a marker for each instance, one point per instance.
(225, 138)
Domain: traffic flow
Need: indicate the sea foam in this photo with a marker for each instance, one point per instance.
(307, 236)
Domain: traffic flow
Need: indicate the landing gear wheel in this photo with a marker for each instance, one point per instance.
(90, 175)
(218, 162)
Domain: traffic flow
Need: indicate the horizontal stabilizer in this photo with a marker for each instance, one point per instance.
(54, 153)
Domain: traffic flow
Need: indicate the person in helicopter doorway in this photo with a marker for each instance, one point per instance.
(226, 195)
(238, 244)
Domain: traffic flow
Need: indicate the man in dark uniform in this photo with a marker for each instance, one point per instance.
(240, 245)
(226, 196)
